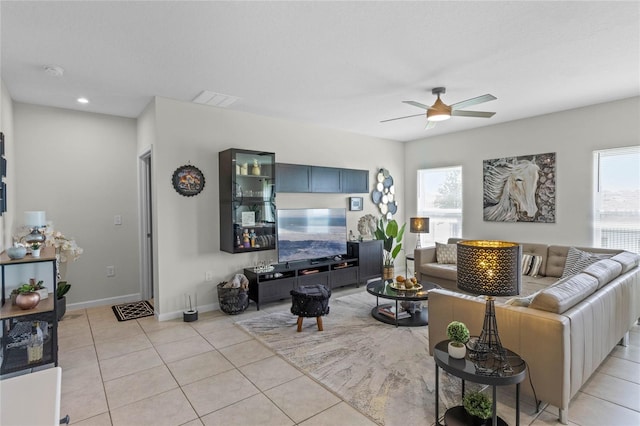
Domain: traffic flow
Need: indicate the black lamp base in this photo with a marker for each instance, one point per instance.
(487, 352)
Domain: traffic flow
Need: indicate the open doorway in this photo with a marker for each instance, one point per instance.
(146, 228)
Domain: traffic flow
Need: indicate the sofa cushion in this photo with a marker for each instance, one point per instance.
(577, 260)
(531, 264)
(522, 301)
(565, 294)
(604, 271)
(447, 253)
(628, 260)
(537, 249)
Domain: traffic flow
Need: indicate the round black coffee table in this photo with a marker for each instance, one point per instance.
(383, 289)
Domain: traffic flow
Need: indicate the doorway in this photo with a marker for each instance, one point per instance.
(146, 228)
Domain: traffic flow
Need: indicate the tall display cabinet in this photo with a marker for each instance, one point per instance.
(17, 323)
(247, 200)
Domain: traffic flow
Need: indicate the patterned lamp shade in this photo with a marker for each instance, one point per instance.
(418, 225)
(489, 268)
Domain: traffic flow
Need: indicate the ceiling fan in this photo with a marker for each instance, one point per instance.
(439, 111)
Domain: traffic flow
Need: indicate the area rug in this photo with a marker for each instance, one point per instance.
(383, 371)
(129, 311)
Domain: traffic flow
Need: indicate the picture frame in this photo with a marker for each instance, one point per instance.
(355, 203)
(188, 180)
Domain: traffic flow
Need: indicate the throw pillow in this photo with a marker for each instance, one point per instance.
(522, 301)
(577, 260)
(531, 264)
(446, 253)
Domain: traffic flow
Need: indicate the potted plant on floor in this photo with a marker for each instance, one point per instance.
(391, 235)
(479, 406)
(458, 334)
(61, 299)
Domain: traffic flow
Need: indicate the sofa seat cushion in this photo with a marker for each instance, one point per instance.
(441, 270)
(604, 271)
(565, 294)
(628, 260)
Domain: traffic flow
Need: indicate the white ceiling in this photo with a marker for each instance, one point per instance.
(342, 65)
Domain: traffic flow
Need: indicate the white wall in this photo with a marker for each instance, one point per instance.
(573, 135)
(188, 234)
(6, 127)
(81, 169)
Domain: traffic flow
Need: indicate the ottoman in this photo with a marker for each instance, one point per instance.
(310, 301)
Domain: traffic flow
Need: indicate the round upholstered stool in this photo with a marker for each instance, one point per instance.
(310, 301)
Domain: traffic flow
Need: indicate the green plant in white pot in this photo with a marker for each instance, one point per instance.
(458, 334)
(479, 406)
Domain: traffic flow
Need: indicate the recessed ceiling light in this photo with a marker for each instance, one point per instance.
(54, 70)
(83, 100)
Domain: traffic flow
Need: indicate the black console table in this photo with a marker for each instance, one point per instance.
(466, 370)
(277, 283)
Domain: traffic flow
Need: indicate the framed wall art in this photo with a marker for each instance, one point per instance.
(355, 203)
(520, 189)
(188, 180)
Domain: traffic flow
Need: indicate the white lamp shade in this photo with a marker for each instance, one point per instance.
(35, 218)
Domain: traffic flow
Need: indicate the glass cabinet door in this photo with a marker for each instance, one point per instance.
(250, 202)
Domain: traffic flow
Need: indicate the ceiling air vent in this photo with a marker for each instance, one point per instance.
(208, 97)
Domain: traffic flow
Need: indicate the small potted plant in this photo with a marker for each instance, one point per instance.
(27, 296)
(458, 334)
(35, 248)
(61, 300)
(40, 288)
(479, 406)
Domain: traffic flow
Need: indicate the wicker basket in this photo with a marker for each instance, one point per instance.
(232, 300)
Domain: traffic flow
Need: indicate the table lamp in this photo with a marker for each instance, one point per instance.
(489, 268)
(35, 220)
(418, 225)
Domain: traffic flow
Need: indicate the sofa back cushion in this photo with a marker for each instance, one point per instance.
(565, 294)
(604, 271)
(628, 260)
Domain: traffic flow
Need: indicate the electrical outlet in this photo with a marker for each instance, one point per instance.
(111, 271)
(208, 276)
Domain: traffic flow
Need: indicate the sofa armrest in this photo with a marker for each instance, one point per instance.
(424, 255)
(541, 338)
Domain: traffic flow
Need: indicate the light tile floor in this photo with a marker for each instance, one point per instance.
(210, 372)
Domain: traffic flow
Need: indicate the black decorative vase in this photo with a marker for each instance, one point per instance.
(61, 306)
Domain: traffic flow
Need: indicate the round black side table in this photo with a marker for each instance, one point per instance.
(465, 369)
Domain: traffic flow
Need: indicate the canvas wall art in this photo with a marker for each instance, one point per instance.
(520, 189)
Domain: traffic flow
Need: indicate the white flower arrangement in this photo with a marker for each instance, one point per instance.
(67, 248)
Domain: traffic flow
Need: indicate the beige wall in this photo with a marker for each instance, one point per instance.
(188, 234)
(6, 127)
(81, 169)
(573, 135)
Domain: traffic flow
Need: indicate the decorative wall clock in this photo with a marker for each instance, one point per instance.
(384, 194)
(188, 180)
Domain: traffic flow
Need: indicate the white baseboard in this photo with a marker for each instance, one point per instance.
(128, 298)
(178, 314)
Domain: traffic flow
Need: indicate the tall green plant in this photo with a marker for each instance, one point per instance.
(391, 236)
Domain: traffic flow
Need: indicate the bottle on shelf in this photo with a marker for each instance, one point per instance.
(34, 347)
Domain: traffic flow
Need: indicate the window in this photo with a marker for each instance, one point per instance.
(617, 198)
(440, 199)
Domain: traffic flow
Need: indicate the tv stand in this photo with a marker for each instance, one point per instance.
(278, 283)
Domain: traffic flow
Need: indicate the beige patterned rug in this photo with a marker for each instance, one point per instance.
(384, 371)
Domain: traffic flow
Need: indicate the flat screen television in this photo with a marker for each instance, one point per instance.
(311, 234)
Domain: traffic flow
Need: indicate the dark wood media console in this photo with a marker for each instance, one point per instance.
(277, 284)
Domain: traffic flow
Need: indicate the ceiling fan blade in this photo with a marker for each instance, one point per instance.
(416, 104)
(400, 118)
(473, 101)
(481, 114)
(430, 125)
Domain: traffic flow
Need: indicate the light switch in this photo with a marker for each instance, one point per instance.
(117, 219)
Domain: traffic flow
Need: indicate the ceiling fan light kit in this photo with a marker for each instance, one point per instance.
(440, 111)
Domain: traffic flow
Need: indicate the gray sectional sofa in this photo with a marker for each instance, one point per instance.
(563, 327)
